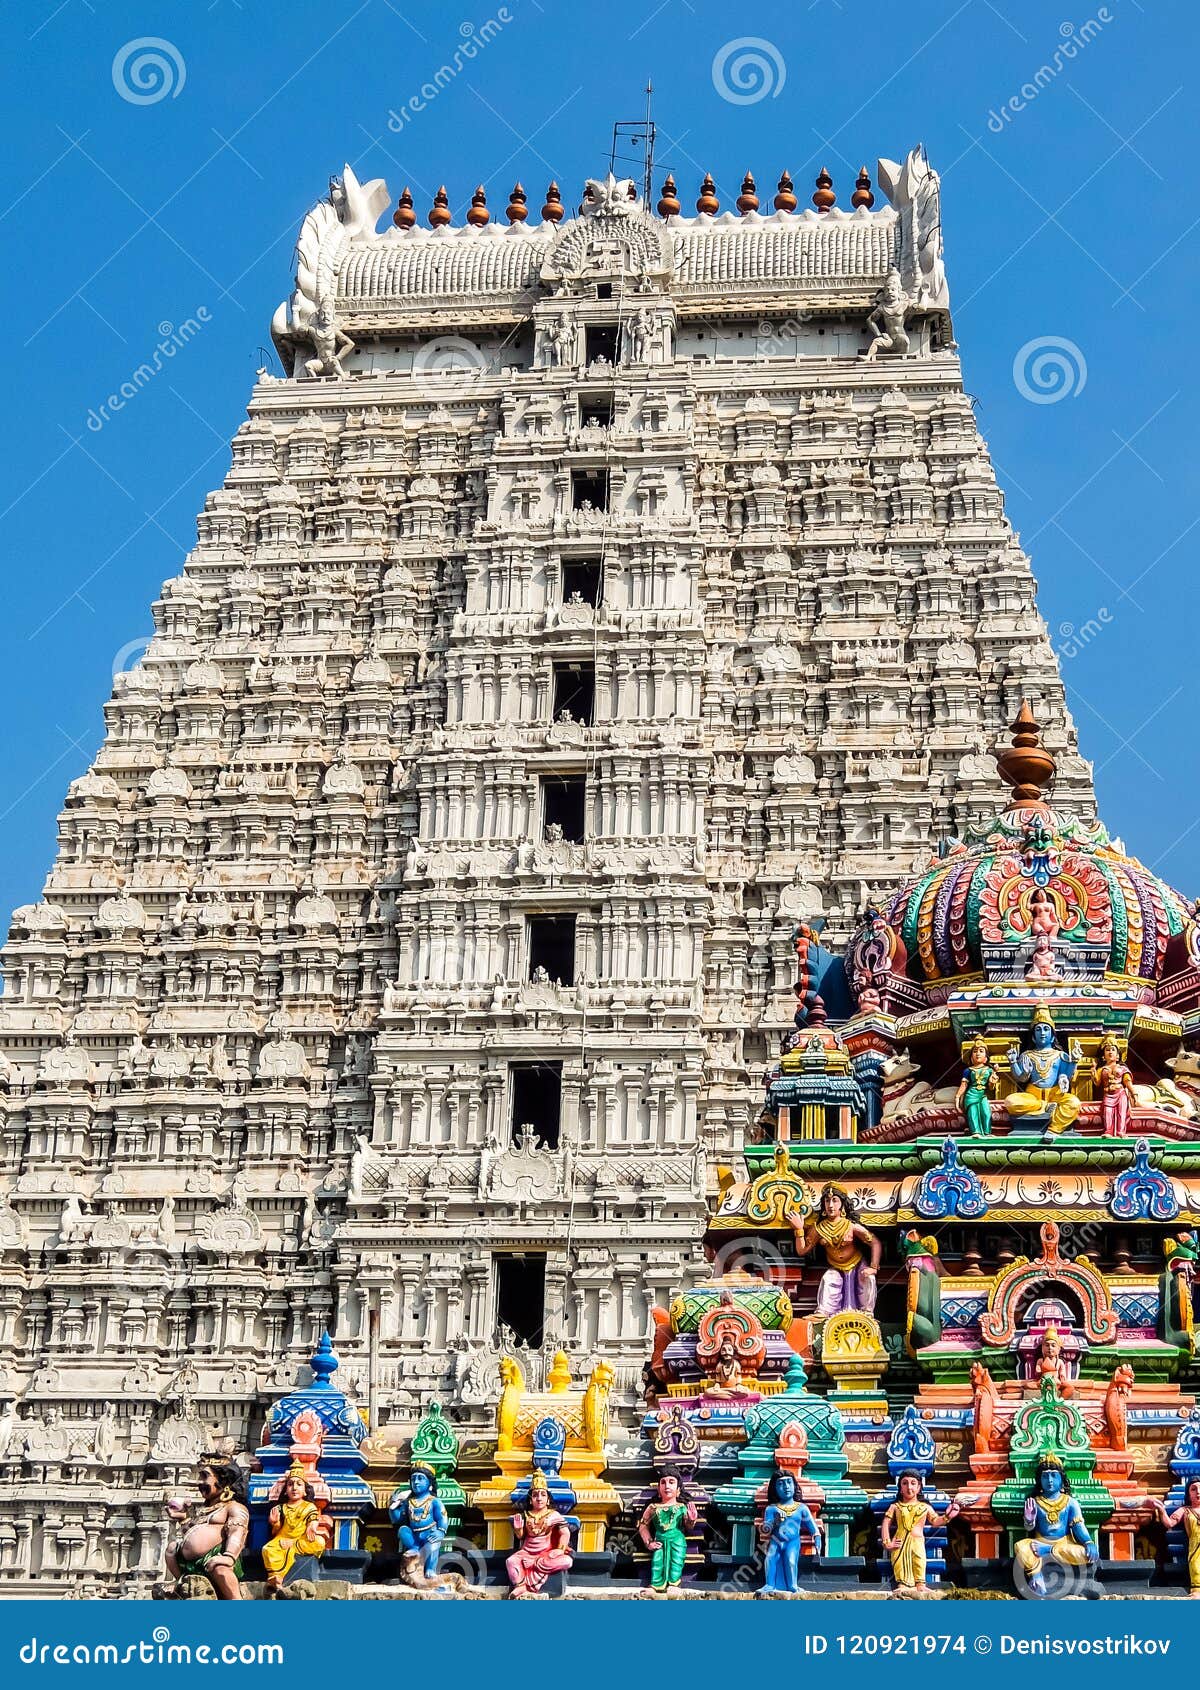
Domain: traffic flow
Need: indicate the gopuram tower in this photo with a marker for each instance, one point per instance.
(594, 596)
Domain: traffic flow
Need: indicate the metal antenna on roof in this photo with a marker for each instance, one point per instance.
(635, 133)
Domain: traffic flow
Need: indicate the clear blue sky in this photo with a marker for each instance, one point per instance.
(1072, 219)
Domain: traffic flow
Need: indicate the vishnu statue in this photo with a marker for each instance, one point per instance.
(786, 1520)
(543, 1541)
(851, 1252)
(1058, 1531)
(1186, 1515)
(297, 1528)
(662, 1528)
(974, 1089)
(903, 1527)
(1044, 1075)
(420, 1520)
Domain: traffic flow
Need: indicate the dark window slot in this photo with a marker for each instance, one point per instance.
(574, 692)
(601, 342)
(552, 947)
(589, 489)
(537, 1100)
(564, 805)
(521, 1296)
(581, 579)
(596, 411)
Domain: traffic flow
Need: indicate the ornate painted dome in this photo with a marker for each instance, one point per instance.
(1038, 895)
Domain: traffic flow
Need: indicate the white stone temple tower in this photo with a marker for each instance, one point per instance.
(581, 608)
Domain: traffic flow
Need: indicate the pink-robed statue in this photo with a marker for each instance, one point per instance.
(1116, 1090)
(543, 1542)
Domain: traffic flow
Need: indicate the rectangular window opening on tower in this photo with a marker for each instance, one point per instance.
(536, 1093)
(581, 579)
(552, 947)
(574, 692)
(601, 342)
(564, 806)
(521, 1295)
(589, 489)
(596, 411)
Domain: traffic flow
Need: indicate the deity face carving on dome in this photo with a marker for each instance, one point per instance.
(831, 1204)
(1043, 1035)
(420, 1483)
(668, 1488)
(785, 1487)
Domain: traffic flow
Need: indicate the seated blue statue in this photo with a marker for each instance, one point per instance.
(785, 1521)
(420, 1520)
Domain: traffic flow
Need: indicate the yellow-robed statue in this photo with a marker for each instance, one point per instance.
(903, 1528)
(297, 1528)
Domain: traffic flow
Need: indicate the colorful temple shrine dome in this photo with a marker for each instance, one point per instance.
(1037, 895)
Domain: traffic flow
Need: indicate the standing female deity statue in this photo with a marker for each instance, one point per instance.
(662, 1530)
(972, 1096)
(1186, 1515)
(903, 1528)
